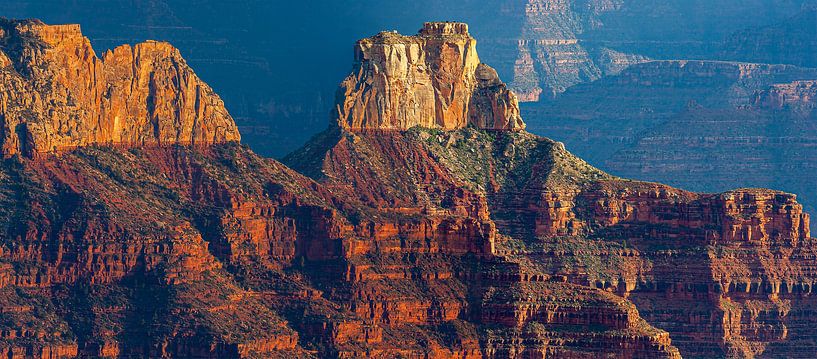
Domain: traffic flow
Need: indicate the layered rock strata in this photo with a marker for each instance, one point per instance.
(695, 265)
(693, 124)
(467, 243)
(800, 96)
(562, 227)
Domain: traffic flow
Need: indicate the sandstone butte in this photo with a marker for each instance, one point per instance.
(433, 80)
(420, 243)
(56, 94)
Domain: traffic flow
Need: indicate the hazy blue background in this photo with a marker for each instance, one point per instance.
(277, 63)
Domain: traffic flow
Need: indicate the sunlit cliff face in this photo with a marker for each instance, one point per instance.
(56, 94)
(434, 80)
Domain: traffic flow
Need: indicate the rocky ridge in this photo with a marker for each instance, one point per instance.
(787, 42)
(554, 218)
(57, 94)
(699, 125)
(423, 242)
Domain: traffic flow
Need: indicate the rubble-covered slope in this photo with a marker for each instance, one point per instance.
(713, 270)
(430, 243)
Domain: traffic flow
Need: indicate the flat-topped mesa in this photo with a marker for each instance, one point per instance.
(434, 80)
(56, 94)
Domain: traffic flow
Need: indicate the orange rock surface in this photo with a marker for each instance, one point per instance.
(433, 80)
(464, 243)
(56, 94)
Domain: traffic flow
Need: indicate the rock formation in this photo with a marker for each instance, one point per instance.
(57, 94)
(538, 52)
(561, 229)
(693, 124)
(797, 95)
(791, 41)
(433, 80)
(475, 242)
(691, 264)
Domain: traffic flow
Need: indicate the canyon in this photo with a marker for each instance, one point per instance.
(449, 232)
(699, 125)
(280, 89)
(548, 46)
(277, 84)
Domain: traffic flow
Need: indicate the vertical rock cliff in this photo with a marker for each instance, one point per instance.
(573, 246)
(56, 94)
(433, 80)
(410, 239)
